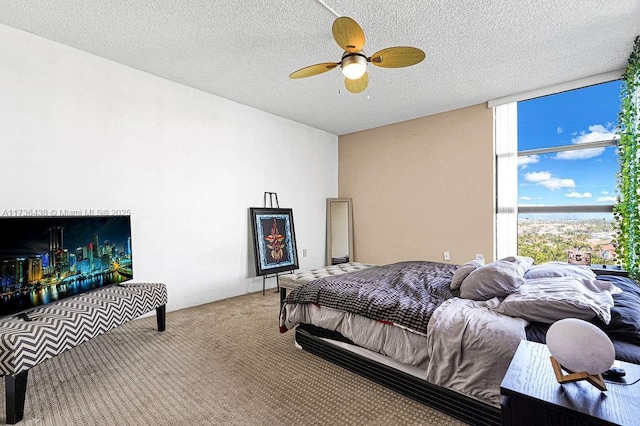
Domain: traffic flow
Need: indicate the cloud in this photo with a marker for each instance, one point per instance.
(575, 194)
(608, 199)
(559, 130)
(596, 133)
(525, 198)
(536, 177)
(604, 193)
(523, 162)
(547, 180)
(556, 183)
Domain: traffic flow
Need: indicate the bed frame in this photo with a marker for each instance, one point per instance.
(452, 403)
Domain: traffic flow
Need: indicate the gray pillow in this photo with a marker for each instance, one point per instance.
(524, 261)
(463, 271)
(559, 269)
(548, 300)
(497, 279)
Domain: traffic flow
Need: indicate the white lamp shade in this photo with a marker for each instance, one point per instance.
(580, 346)
(354, 66)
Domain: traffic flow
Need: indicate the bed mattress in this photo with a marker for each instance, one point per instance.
(398, 343)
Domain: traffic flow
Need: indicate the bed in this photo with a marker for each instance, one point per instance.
(445, 334)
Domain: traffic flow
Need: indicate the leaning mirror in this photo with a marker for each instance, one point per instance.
(339, 231)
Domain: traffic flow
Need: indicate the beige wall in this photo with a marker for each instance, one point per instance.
(422, 187)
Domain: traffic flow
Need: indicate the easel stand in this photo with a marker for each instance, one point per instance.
(272, 195)
(264, 278)
(595, 380)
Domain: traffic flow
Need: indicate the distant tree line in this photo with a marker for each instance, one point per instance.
(554, 248)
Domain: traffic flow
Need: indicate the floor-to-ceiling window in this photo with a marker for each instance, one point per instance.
(561, 158)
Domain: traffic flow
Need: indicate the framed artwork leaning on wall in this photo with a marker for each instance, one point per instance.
(274, 240)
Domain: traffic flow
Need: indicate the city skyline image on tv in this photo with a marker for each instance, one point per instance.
(43, 259)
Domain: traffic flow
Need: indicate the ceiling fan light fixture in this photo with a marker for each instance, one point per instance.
(354, 65)
(350, 37)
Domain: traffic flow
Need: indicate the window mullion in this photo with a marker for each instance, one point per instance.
(574, 147)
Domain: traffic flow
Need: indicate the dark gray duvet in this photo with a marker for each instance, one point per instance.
(404, 293)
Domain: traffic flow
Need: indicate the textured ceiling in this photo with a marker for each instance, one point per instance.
(244, 50)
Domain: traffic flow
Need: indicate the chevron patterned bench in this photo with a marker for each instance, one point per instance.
(65, 324)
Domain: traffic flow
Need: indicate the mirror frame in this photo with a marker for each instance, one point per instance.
(349, 226)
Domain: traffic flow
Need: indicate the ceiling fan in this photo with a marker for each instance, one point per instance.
(350, 37)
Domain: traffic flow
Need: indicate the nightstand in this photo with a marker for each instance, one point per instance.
(609, 270)
(532, 396)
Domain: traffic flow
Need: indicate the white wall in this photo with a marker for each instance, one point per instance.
(79, 132)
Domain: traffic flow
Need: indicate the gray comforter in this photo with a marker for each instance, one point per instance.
(470, 347)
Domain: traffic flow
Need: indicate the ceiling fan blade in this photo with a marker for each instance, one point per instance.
(357, 86)
(348, 34)
(397, 57)
(313, 70)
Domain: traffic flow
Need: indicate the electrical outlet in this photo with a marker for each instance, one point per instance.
(446, 255)
(304, 252)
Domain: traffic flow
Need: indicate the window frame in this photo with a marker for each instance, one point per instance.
(505, 114)
(567, 208)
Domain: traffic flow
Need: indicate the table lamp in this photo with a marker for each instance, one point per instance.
(581, 349)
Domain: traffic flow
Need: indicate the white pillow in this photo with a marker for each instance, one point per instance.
(463, 271)
(497, 279)
(559, 269)
(548, 300)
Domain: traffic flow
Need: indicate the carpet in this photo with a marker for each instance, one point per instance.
(220, 363)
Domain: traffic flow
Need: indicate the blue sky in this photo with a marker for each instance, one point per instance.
(572, 177)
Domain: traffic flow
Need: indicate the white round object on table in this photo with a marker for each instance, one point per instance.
(580, 346)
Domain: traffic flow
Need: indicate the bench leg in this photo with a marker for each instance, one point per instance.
(15, 390)
(161, 316)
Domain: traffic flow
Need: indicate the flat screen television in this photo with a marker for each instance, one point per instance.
(44, 259)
